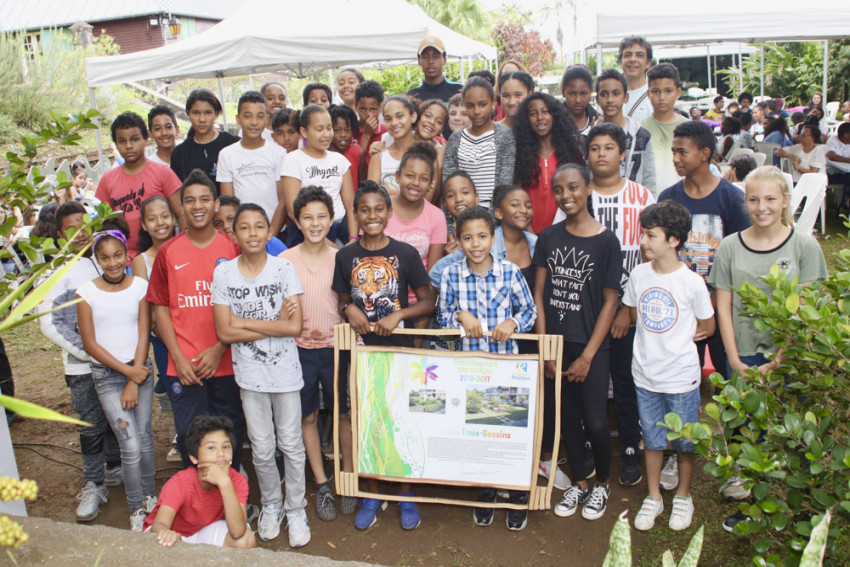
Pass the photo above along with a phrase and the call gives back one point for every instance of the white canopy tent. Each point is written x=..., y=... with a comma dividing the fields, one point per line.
x=723, y=21
x=272, y=36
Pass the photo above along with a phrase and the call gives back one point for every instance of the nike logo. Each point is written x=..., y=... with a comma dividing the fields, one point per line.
x=176, y=267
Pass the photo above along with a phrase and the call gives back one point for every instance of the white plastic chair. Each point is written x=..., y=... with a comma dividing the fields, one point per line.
x=812, y=187
x=832, y=110
x=738, y=152
x=760, y=159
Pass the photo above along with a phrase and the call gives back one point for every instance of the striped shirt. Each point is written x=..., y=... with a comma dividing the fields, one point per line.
x=476, y=155
x=319, y=303
x=497, y=296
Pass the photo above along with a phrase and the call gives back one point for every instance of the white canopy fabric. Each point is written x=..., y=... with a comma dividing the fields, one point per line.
x=270, y=35
x=724, y=20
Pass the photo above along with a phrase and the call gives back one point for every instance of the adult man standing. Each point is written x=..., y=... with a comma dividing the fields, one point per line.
x=432, y=57
x=635, y=57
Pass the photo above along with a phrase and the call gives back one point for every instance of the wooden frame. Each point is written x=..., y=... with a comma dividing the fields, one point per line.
x=550, y=349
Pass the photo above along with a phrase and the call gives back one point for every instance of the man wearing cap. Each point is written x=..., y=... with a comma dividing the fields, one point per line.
x=432, y=57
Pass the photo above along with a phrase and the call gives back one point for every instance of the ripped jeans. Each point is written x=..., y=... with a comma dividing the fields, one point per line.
x=132, y=429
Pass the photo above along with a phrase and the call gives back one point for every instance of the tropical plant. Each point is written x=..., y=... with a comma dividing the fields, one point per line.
x=467, y=17
x=620, y=548
x=787, y=433
x=794, y=71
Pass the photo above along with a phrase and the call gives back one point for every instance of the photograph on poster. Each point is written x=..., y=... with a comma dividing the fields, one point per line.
x=496, y=405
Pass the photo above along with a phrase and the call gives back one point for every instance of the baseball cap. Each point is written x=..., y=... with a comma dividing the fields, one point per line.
x=431, y=41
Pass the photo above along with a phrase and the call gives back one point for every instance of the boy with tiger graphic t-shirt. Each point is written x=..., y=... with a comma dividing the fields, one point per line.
x=371, y=276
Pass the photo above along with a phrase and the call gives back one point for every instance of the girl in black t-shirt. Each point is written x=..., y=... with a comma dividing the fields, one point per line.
x=576, y=289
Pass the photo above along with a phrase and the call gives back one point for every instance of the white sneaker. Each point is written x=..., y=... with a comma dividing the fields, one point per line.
x=268, y=526
x=735, y=489
x=682, y=514
x=649, y=510
x=573, y=498
x=562, y=481
x=149, y=503
x=113, y=476
x=670, y=473
x=91, y=497
x=299, y=528
x=137, y=520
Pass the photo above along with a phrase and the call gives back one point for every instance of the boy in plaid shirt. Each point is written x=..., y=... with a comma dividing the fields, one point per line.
x=481, y=293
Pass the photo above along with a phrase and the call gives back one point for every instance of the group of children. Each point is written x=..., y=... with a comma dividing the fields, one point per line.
x=545, y=221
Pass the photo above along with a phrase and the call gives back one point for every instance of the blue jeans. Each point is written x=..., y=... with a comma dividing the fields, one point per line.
x=97, y=443
x=215, y=396
x=653, y=406
x=133, y=430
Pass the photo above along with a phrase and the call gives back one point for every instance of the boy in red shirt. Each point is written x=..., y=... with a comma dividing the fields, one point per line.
x=205, y=503
x=125, y=188
x=200, y=377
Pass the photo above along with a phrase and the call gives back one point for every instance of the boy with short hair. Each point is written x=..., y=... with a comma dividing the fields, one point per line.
x=716, y=113
x=368, y=99
x=671, y=308
x=472, y=298
x=371, y=276
x=164, y=130
x=317, y=93
x=251, y=168
x=200, y=370
x=286, y=131
x=639, y=163
x=257, y=311
x=97, y=443
x=125, y=188
x=635, y=57
x=664, y=91
x=314, y=261
x=226, y=207
x=459, y=194
x=617, y=204
x=205, y=503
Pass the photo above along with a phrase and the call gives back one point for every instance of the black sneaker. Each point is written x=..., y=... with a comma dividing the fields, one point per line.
x=589, y=463
x=733, y=520
x=484, y=516
x=630, y=471
x=516, y=520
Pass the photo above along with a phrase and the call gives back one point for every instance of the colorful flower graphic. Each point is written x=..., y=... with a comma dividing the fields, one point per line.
x=422, y=374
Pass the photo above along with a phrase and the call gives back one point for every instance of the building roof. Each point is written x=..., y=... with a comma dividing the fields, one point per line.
x=38, y=14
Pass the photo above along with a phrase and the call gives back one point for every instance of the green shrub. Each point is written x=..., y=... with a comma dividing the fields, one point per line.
x=786, y=433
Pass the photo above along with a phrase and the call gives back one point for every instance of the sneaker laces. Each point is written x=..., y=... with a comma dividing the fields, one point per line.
x=88, y=493
x=268, y=517
x=572, y=496
x=671, y=466
x=597, y=497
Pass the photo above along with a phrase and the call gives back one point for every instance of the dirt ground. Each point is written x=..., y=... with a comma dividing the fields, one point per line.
x=48, y=453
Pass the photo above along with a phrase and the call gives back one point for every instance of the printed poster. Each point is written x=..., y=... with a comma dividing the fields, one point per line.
x=442, y=418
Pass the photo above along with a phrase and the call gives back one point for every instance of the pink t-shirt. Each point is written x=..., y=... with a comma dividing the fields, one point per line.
x=319, y=304
x=127, y=193
x=423, y=231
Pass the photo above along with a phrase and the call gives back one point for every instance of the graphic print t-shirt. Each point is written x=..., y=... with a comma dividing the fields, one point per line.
x=181, y=278
x=270, y=364
x=714, y=217
x=126, y=193
x=620, y=213
x=578, y=267
x=377, y=281
x=326, y=173
x=668, y=305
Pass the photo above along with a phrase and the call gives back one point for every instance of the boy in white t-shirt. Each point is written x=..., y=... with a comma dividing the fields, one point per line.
x=251, y=170
x=672, y=309
x=258, y=312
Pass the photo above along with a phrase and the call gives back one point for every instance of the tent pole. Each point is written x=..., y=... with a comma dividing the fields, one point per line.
x=93, y=102
x=598, y=59
x=221, y=94
x=740, y=68
x=824, y=98
x=250, y=82
x=761, y=70
x=708, y=64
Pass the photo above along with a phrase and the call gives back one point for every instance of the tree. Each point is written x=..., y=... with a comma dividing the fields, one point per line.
x=515, y=41
x=474, y=401
x=794, y=71
x=467, y=17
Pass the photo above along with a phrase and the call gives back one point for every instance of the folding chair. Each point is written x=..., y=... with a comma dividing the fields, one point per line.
x=812, y=188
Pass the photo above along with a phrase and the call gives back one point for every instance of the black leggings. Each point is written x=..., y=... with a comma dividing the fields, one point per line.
x=586, y=404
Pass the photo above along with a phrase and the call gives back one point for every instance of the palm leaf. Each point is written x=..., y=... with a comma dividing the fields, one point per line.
x=27, y=409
